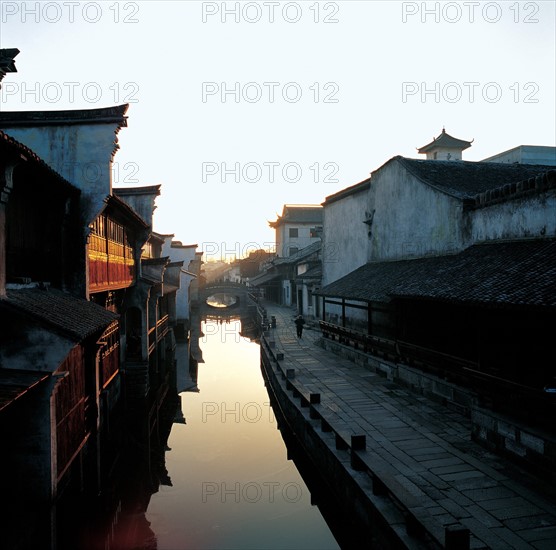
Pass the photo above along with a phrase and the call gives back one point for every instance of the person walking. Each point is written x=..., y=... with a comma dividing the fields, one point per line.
x=299, y=322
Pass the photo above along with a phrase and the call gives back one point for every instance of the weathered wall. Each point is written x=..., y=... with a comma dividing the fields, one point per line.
x=34, y=348
x=410, y=218
x=80, y=153
x=142, y=203
x=284, y=241
x=523, y=217
x=187, y=255
x=345, y=236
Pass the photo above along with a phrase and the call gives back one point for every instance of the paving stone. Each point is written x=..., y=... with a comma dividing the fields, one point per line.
x=452, y=469
x=484, y=534
x=483, y=516
x=438, y=462
x=530, y=522
x=513, y=540
x=538, y=534
x=499, y=503
x=461, y=476
x=428, y=445
x=543, y=544
x=453, y=508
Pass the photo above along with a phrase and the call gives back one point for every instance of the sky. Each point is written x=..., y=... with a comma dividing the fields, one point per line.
x=238, y=108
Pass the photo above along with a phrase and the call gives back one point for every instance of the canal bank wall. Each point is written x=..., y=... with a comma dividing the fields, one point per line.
x=374, y=509
x=404, y=465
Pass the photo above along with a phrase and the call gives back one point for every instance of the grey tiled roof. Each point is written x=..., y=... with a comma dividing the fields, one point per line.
x=263, y=278
x=465, y=180
x=73, y=316
x=102, y=115
x=300, y=254
x=348, y=191
x=513, y=273
x=313, y=273
x=445, y=140
x=299, y=214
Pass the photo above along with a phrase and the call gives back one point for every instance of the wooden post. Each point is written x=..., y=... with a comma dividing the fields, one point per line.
x=344, y=312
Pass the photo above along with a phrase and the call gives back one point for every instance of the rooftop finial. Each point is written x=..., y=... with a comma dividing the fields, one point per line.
x=7, y=63
x=444, y=147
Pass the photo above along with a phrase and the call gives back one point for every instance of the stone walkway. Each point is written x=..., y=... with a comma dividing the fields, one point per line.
x=420, y=449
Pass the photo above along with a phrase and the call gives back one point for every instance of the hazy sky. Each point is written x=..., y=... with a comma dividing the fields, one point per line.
x=239, y=107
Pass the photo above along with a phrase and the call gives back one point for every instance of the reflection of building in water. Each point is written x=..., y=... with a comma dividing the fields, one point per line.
x=249, y=327
x=88, y=381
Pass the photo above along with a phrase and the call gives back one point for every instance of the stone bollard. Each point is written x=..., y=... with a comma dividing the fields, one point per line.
x=456, y=537
x=357, y=462
x=379, y=488
x=358, y=442
x=279, y=357
x=341, y=445
x=290, y=374
x=325, y=426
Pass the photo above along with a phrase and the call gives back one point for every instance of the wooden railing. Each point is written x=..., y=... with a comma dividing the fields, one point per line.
x=152, y=339
x=158, y=332
x=494, y=391
x=359, y=340
x=162, y=326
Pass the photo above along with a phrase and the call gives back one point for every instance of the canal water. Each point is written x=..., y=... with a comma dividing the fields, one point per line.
x=231, y=484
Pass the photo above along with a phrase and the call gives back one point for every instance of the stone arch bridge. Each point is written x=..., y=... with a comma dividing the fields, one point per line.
x=238, y=290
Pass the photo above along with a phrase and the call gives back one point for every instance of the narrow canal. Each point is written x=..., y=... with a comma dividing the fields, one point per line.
x=232, y=485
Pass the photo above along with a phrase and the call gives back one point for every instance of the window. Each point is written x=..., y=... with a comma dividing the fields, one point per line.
x=293, y=250
x=315, y=232
x=294, y=232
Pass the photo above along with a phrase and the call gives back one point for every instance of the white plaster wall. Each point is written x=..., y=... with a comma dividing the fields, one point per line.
x=527, y=154
x=143, y=205
x=345, y=239
x=44, y=351
x=304, y=239
x=182, y=296
x=287, y=293
x=186, y=255
x=516, y=219
x=80, y=153
x=411, y=219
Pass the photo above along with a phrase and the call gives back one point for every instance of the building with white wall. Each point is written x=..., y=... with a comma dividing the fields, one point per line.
x=459, y=268
x=299, y=226
x=178, y=252
x=526, y=154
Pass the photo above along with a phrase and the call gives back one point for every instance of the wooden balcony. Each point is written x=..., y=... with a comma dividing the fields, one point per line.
x=111, y=265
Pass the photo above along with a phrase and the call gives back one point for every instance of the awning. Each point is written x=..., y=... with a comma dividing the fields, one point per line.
x=264, y=278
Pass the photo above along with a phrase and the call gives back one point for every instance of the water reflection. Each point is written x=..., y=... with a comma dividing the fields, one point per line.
x=200, y=466
x=222, y=300
x=115, y=519
x=232, y=483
